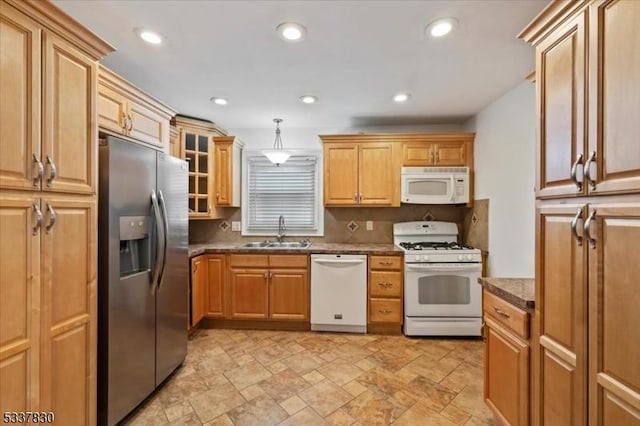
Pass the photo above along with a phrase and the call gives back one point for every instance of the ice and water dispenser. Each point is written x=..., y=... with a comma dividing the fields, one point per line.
x=135, y=245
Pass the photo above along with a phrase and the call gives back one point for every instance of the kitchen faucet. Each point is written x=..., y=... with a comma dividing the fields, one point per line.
x=281, y=229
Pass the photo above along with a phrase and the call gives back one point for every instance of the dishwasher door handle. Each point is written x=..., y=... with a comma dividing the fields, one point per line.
x=336, y=261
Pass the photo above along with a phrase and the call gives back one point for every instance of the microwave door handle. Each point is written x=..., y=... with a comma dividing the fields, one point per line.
x=431, y=268
x=453, y=188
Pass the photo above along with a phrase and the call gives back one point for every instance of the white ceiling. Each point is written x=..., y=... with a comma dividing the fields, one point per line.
x=356, y=55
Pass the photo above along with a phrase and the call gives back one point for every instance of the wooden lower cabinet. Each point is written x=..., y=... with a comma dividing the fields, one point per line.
x=506, y=356
x=289, y=294
x=198, y=289
x=385, y=293
x=216, y=285
x=249, y=291
x=506, y=379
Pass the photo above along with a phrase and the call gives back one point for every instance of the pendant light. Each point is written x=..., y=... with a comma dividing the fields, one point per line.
x=277, y=155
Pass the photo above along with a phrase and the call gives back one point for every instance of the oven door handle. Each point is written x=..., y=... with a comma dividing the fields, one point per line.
x=476, y=267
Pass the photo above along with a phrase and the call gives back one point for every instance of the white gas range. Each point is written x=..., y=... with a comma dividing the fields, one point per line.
x=441, y=292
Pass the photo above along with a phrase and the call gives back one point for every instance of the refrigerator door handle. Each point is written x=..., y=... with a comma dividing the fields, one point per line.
x=159, y=249
x=165, y=221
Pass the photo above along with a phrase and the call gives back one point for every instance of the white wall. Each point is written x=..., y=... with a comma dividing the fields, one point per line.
x=504, y=171
x=307, y=138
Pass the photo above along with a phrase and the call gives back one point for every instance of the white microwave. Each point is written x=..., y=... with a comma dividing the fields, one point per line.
x=435, y=185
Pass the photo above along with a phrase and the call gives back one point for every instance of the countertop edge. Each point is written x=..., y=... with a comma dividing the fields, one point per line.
x=319, y=249
x=517, y=291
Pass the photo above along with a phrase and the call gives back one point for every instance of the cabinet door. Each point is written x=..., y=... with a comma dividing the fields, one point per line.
x=506, y=375
x=614, y=95
x=148, y=126
x=376, y=174
x=249, y=293
x=614, y=343
x=560, y=71
x=216, y=285
x=198, y=151
x=112, y=110
x=340, y=174
x=20, y=100
x=19, y=302
x=199, y=277
x=223, y=169
x=450, y=154
x=418, y=154
x=68, y=369
x=69, y=132
x=561, y=312
x=289, y=294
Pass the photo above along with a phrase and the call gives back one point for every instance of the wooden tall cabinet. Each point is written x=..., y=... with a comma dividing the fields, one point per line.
x=586, y=367
x=48, y=173
x=227, y=169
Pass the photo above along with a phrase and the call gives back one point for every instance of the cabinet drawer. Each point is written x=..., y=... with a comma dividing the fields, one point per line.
x=506, y=314
x=385, y=310
x=385, y=284
x=249, y=260
x=288, y=261
x=385, y=262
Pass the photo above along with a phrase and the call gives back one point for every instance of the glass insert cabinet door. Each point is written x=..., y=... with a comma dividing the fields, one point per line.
x=198, y=149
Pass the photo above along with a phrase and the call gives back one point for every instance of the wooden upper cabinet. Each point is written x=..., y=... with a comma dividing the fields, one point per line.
x=614, y=346
x=561, y=77
x=360, y=174
x=422, y=154
x=561, y=309
x=340, y=174
x=126, y=111
x=20, y=49
x=19, y=302
x=69, y=148
x=227, y=168
x=614, y=96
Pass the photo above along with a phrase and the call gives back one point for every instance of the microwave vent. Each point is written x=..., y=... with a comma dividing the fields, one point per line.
x=435, y=170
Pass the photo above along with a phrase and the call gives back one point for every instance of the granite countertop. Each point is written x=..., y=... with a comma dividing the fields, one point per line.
x=314, y=248
x=519, y=292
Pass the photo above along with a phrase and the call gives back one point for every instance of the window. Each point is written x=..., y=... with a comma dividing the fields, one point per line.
x=291, y=190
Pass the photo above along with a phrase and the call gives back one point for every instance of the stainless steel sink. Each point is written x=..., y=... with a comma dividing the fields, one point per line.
x=276, y=244
x=255, y=244
x=289, y=244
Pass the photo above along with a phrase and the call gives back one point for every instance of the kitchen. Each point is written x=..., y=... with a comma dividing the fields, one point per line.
x=550, y=166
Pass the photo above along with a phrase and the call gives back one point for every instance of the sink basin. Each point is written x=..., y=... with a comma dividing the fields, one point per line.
x=276, y=244
x=290, y=244
x=255, y=244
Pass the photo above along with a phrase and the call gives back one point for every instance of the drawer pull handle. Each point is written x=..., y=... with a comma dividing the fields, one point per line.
x=386, y=284
x=501, y=312
x=386, y=263
x=384, y=311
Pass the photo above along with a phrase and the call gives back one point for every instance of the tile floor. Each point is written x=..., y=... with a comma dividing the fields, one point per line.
x=262, y=378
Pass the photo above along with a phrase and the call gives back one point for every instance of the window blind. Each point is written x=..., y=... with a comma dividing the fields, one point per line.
x=288, y=190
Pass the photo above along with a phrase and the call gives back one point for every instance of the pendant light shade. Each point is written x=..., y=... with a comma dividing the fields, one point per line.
x=277, y=155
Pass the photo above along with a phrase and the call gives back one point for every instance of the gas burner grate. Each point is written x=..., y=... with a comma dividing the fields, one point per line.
x=434, y=246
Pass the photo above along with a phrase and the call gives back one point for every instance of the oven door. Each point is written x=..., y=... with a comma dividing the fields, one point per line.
x=442, y=290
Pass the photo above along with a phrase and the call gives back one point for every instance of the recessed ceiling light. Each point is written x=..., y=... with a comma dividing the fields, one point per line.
x=290, y=31
x=308, y=99
x=441, y=27
x=401, y=97
x=149, y=36
x=219, y=101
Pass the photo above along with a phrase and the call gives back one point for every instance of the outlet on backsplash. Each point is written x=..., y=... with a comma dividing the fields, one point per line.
x=369, y=225
x=236, y=225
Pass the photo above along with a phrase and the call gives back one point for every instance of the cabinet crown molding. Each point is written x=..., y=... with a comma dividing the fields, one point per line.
x=198, y=124
x=552, y=16
x=400, y=137
x=55, y=20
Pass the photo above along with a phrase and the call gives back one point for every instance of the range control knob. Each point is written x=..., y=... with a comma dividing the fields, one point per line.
x=469, y=257
x=460, y=257
x=425, y=257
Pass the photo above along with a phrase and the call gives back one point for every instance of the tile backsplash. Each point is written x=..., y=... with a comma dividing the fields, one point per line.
x=348, y=224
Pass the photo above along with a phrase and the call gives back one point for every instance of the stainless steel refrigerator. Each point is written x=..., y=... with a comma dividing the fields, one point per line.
x=142, y=273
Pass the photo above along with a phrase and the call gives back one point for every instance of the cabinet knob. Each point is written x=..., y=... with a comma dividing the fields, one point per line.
x=587, y=170
x=574, y=172
x=587, y=229
x=501, y=312
x=384, y=311
x=52, y=218
x=53, y=171
x=39, y=170
x=38, y=212
x=130, y=123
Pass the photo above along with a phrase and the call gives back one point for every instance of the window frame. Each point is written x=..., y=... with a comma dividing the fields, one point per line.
x=318, y=232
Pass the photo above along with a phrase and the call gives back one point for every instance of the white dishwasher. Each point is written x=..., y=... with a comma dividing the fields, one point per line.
x=339, y=293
